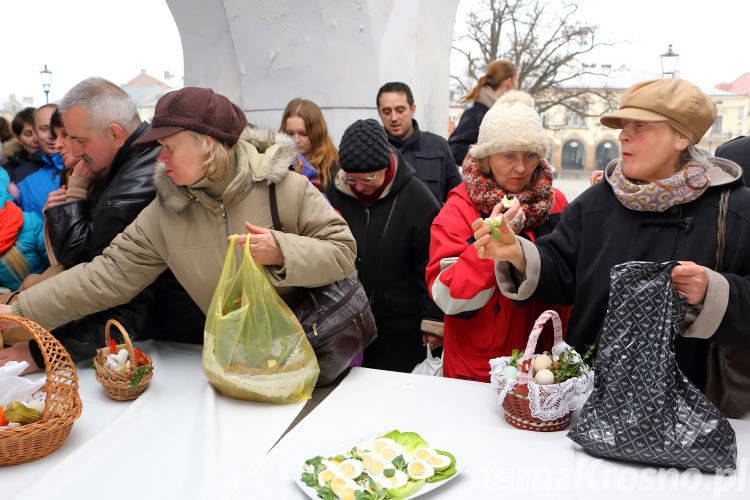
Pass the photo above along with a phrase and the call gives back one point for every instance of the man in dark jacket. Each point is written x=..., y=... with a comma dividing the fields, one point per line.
x=389, y=211
x=738, y=150
x=426, y=152
x=107, y=190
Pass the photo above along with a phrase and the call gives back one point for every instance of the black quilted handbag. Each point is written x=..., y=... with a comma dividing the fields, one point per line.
x=643, y=409
x=336, y=318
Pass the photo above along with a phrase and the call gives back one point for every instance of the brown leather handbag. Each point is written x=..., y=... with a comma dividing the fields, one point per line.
x=337, y=318
x=728, y=370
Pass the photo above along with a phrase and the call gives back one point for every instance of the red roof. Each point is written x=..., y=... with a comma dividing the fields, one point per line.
x=740, y=86
x=145, y=80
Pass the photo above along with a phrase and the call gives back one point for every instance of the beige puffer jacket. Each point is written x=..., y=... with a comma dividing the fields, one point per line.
x=186, y=230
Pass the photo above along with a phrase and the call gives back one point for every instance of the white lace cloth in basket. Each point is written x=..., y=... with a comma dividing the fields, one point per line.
x=546, y=402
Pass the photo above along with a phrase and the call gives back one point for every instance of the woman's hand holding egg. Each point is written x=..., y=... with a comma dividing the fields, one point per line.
x=506, y=247
x=512, y=213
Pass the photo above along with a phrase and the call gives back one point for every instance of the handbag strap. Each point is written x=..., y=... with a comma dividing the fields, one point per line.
x=721, y=230
x=274, y=207
x=277, y=226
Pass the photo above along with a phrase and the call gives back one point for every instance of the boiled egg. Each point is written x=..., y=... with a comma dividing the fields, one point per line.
x=391, y=452
x=346, y=490
x=368, y=457
x=351, y=468
x=398, y=479
x=381, y=443
x=439, y=462
x=424, y=453
x=339, y=482
x=325, y=476
x=378, y=465
x=420, y=470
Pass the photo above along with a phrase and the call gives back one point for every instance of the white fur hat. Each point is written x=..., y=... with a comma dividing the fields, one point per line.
x=512, y=124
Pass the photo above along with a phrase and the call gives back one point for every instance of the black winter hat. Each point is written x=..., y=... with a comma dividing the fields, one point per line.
x=364, y=148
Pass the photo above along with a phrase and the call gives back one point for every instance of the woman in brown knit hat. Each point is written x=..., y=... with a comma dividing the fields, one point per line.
x=212, y=180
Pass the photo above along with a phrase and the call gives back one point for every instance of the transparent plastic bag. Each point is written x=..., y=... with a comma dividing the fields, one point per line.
x=254, y=347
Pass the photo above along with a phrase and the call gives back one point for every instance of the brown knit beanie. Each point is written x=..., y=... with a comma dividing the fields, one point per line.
x=197, y=109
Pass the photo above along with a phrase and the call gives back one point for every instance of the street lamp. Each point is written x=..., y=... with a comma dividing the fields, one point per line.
x=669, y=63
x=46, y=79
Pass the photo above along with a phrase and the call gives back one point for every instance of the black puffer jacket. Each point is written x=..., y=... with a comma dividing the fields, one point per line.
x=467, y=131
x=431, y=158
x=738, y=150
x=393, y=240
x=80, y=230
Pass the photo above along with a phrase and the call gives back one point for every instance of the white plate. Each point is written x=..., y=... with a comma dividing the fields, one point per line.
x=298, y=467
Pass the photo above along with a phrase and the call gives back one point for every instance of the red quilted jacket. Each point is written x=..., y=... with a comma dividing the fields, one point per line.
x=480, y=323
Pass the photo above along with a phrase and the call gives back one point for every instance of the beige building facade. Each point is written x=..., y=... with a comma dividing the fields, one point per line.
x=580, y=143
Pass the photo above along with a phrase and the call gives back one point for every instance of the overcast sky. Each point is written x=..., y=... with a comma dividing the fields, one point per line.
x=115, y=40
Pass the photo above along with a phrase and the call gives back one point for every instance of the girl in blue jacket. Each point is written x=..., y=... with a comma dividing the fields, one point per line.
x=22, y=249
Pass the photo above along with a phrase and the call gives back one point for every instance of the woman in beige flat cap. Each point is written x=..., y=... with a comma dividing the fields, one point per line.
x=659, y=202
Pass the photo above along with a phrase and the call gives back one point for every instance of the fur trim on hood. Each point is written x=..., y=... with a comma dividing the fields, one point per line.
x=261, y=155
x=11, y=147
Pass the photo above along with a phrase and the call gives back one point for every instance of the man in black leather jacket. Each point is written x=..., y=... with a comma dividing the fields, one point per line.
x=106, y=191
x=428, y=153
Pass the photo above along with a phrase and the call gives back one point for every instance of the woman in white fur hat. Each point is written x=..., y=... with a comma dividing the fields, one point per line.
x=508, y=162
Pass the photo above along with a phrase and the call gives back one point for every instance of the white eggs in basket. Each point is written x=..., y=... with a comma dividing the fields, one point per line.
x=544, y=377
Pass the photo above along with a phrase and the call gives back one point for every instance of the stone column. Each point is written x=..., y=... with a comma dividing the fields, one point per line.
x=337, y=53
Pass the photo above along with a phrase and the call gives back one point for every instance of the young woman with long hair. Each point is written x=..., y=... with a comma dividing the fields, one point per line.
x=304, y=122
x=501, y=76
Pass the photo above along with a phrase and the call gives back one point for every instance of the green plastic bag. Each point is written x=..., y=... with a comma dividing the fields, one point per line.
x=254, y=348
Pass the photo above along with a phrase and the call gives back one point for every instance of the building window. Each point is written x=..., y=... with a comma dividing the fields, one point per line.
x=717, y=125
x=741, y=113
x=574, y=119
x=573, y=154
x=606, y=151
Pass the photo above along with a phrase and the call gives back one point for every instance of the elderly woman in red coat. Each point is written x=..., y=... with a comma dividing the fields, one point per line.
x=508, y=163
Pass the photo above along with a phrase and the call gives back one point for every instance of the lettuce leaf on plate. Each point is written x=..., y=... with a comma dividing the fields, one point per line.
x=409, y=440
x=406, y=490
x=444, y=474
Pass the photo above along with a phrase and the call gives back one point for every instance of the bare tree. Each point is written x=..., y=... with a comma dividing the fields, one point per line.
x=544, y=39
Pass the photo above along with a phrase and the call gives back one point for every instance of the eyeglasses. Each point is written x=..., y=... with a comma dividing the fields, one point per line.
x=363, y=180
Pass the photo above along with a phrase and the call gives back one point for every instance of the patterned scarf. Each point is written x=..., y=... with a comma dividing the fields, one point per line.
x=684, y=186
x=537, y=199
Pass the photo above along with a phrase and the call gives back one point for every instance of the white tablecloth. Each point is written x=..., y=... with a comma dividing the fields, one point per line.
x=180, y=439
x=464, y=418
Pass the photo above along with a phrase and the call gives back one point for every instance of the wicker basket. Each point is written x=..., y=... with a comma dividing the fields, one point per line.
x=518, y=414
x=516, y=402
x=117, y=382
x=62, y=405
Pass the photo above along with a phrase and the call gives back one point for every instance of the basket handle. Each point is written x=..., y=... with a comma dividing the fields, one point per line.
x=125, y=336
x=523, y=375
x=61, y=376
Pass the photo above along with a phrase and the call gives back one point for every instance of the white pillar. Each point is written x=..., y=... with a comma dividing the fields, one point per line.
x=337, y=53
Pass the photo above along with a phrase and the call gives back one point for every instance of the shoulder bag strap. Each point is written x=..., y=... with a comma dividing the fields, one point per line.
x=274, y=207
x=721, y=231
